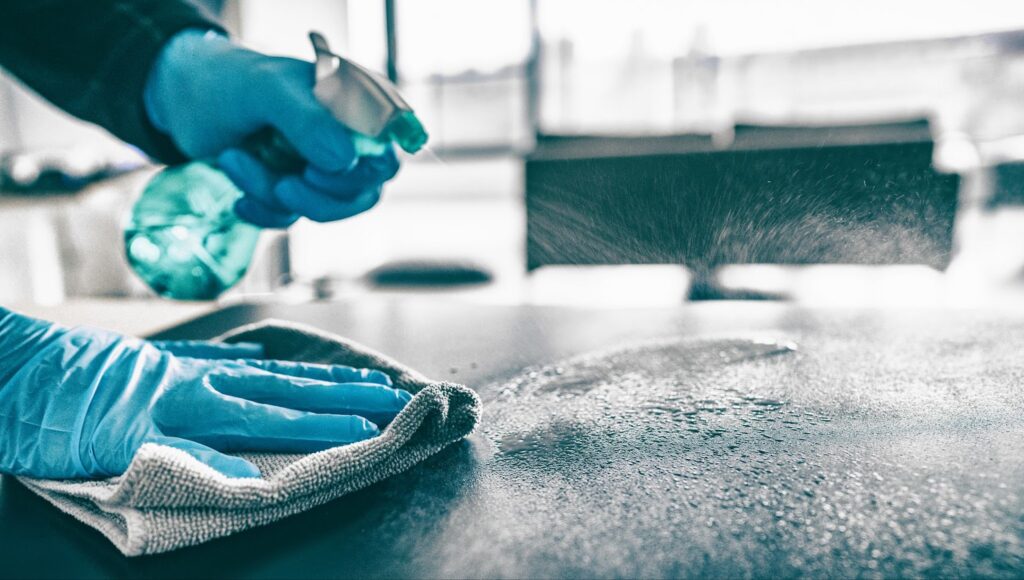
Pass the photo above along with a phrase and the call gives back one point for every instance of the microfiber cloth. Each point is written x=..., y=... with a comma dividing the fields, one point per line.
x=168, y=500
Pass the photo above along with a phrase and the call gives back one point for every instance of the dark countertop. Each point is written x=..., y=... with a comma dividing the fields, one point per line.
x=889, y=443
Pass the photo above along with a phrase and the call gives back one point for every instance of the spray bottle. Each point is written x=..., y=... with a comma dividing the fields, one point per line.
x=183, y=238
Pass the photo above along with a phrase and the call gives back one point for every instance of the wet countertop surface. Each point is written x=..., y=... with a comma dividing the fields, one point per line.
x=729, y=439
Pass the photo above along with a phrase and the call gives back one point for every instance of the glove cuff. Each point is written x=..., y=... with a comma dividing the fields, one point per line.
x=185, y=50
x=153, y=24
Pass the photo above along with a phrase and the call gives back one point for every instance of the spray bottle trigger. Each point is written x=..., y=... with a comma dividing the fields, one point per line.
x=274, y=150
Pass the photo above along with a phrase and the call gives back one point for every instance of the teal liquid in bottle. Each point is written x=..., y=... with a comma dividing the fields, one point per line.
x=183, y=237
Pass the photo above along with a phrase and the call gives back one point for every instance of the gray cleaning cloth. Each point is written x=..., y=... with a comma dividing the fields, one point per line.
x=167, y=500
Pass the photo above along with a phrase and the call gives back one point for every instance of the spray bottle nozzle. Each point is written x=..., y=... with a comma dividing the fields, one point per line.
x=363, y=100
x=407, y=131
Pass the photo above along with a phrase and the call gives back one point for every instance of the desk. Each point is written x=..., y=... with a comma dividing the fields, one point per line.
x=911, y=460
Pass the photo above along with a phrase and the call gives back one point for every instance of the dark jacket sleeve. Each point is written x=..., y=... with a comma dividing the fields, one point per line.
x=92, y=58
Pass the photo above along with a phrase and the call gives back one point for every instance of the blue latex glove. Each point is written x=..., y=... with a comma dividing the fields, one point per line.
x=208, y=94
x=79, y=402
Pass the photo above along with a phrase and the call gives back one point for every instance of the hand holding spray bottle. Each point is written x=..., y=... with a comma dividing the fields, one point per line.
x=184, y=238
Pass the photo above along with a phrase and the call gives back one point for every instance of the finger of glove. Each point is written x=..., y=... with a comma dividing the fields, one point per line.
x=329, y=373
x=321, y=206
x=370, y=171
x=210, y=350
x=290, y=106
x=378, y=403
x=243, y=425
x=258, y=206
x=226, y=464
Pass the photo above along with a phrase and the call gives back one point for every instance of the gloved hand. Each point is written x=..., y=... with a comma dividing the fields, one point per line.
x=79, y=402
x=208, y=94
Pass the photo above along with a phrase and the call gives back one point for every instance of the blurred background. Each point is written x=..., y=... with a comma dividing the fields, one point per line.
x=615, y=153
